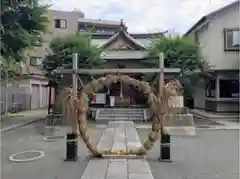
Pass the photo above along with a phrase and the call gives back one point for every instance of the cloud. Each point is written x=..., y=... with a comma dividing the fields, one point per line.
x=145, y=15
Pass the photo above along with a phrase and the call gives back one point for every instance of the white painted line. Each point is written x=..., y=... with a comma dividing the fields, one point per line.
x=41, y=154
x=52, y=139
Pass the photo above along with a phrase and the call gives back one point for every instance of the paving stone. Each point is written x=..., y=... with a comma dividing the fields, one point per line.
x=117, y=169
x=132, y=137
x=120, y=138
x=117, y=160
x=92, y=176
x=121, y=135
x=140, y=176
x=95, y=169
x=106, y=141
x=138, y=166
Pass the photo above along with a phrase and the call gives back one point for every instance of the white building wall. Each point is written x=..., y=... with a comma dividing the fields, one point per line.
x=199, y=98
x=39, y=95
x=213, y=41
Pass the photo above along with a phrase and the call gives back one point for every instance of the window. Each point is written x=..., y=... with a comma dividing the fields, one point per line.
x=36, y=61
x=60, y=23
x=229, y=88
x=81, y=27
x=210, y=88
x=232, y=39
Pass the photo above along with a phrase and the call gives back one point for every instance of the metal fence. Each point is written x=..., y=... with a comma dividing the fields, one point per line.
x=18, y=99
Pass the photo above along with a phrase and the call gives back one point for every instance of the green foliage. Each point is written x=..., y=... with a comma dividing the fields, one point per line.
x=22, y=27
x=62, y=49
x=179, y=52
x=6, y=4
x=8, y=69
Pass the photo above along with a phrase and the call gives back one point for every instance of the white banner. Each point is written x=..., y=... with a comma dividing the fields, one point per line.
x=112, y=101
x=100, y=98
x=176, y=101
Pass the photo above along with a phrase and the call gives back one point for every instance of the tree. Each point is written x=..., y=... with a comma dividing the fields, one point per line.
x=62, y=49
x=22, y=25
x=179, y=52
x=8, y=69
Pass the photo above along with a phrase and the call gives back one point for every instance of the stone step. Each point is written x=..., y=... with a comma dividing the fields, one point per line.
x=121, y=119
x=121, y=112
x=117, y=117
x=120, y=115
x=123, y=109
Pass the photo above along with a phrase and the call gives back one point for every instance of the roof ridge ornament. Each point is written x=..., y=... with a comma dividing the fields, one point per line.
x=122, y=26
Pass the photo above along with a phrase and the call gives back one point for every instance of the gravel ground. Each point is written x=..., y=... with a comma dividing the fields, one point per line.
x=208, y=155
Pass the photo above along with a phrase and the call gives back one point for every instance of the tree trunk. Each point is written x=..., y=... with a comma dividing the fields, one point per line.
x=6, y=95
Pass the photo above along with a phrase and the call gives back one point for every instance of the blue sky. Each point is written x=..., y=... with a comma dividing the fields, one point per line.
x=145, y=15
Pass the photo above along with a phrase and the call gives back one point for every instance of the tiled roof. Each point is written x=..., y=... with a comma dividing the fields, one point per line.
x=107, y=35
x=99, y=21
x=144, y=41
x=212, y=14
x=124, y=34
x=123, y=54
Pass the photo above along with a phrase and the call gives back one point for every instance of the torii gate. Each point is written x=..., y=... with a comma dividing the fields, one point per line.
x=161, y=70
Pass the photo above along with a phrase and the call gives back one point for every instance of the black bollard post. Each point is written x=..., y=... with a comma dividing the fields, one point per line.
x=71, y=147
x=165, y=144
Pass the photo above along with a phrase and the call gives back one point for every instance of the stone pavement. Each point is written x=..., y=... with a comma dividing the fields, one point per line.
x=117, y=169
x=22, y=118
x=118, y=136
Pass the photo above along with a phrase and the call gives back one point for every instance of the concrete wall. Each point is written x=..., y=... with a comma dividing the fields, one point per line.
x=199, y=98
x=72, y=23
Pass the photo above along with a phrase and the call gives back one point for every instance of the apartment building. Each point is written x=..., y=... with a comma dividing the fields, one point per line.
x=62, y=23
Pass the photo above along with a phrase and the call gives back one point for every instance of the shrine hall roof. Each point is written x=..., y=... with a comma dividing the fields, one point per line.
x=143, y=39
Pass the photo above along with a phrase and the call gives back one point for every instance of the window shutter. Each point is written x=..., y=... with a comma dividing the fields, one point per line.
x=229, y=38
x=63, y=23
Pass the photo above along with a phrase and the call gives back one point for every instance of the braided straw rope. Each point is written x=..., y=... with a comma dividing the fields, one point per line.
x=72, y=105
